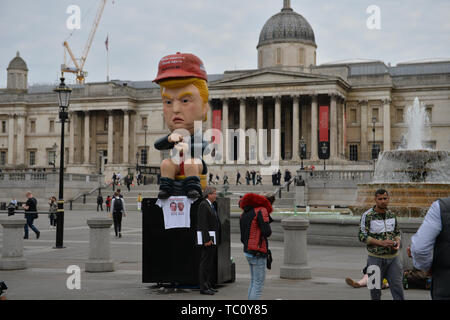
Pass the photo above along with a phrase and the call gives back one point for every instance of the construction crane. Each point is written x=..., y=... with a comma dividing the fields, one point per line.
x=79, y=63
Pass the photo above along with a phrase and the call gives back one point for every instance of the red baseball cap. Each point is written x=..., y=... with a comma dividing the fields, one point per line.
x=180, y=65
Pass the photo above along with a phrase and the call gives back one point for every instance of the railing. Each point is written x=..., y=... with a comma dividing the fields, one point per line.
x=46, y=176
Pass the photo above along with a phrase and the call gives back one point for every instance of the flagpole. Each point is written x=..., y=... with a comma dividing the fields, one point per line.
x=107, y=59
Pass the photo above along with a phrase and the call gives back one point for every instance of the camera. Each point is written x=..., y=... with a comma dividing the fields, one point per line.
x=2, y=287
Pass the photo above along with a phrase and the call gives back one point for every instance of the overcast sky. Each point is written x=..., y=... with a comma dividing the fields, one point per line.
x=223, y=33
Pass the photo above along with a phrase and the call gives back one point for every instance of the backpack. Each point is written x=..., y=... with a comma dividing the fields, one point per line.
x=118, y=205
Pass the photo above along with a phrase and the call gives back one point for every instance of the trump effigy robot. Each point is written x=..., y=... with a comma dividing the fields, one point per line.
x=184, y=91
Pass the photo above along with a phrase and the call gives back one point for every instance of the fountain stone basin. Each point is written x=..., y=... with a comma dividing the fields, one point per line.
x=406, y=199
x=413, y=178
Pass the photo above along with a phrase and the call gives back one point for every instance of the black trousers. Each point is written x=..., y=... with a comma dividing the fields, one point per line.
x=117, y=218
x=206, y=271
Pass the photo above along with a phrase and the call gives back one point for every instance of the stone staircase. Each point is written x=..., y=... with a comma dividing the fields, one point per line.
x=151, y=191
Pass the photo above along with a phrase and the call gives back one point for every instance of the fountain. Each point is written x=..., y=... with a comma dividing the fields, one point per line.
x=413, y=175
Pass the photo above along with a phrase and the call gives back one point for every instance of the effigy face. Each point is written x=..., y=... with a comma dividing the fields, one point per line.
x=182, y=106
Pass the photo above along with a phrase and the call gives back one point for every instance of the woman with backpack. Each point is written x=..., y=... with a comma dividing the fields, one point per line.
x=255, y=229
x=118, y=210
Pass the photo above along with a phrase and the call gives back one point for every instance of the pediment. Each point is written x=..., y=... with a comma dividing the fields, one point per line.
x=270, y=77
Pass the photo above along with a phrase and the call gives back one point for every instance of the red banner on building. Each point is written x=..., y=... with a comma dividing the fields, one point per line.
x=217, y=124
x=324, y=116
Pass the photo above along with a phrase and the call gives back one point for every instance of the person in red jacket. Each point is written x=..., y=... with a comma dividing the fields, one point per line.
x=255, y=229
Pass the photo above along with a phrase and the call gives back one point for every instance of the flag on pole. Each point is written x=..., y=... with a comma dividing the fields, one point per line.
x=106, y=42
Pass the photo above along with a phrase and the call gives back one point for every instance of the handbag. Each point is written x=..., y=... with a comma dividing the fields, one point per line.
x=269, y=259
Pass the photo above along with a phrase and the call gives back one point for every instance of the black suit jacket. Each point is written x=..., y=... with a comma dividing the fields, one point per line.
x=207, y=221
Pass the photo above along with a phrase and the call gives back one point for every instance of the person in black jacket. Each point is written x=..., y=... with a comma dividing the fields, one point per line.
x=208, y=220
x=30, y=214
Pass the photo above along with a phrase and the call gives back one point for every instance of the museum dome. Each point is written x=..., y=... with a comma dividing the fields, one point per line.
x=287, y=26
x=17, y=63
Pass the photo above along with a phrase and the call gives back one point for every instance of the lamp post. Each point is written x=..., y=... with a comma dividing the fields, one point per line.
x=324, y=152
x=302, y=152
x=145, y=143
x=137, y=162
x=63, y=99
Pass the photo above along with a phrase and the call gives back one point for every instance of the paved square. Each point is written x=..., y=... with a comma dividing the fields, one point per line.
x=46, y=275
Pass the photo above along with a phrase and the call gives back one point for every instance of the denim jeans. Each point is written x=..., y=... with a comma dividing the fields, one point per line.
x=30, y=224
x=392, y=270
x=258, y=275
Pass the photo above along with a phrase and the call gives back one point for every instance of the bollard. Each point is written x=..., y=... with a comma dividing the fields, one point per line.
x=99, y=245
x=12, y=251
x=295, y=264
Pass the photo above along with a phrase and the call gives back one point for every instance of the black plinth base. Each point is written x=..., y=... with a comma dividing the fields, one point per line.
x=172, y=256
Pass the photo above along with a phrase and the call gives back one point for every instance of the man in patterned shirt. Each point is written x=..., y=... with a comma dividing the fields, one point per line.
x=379, y=230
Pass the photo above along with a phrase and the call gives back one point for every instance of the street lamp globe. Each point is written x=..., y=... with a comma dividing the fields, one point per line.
x=63, y=95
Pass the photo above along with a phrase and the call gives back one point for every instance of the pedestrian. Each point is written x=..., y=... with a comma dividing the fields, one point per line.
x=119, y=177
x=211, y=176
x=208, y=221
x=108, y=203
x=120, y=193
x=217, y=179
x=99, y=201
x=430, y=248
x=258, y=178
x=253, y=174
x=128, y=182
x=287, y=178
x=380, y=231
x=255, y=229
x=118, y=207
x=238, y=177
x=225, y=179
x=279, y=178
x=247, y=177
x=139, y=202
x=52, y=211
x=31, y=213
x=14, y=203
x=114, y=177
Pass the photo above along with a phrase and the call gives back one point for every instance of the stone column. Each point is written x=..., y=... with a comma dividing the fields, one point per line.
x=12, y=250
x=11, y=139
x=387, y=124
x=20, y=150
x=333, y=127
x=87, y=137
x=242, y=125
x=295, y=264
x=71, y=136
x=295, y=129
x=314, y=128
x=259, y=124
x=278, y=126
x=209, y=118
x=224, y=129
x=99, y=245
x=126, y=133
x=364, y=139
x=110, y=137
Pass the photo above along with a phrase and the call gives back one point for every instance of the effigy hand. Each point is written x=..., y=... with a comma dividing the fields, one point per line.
x=175, y=138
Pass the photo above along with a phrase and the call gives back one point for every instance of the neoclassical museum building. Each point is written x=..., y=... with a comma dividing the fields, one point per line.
x=345, y=112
